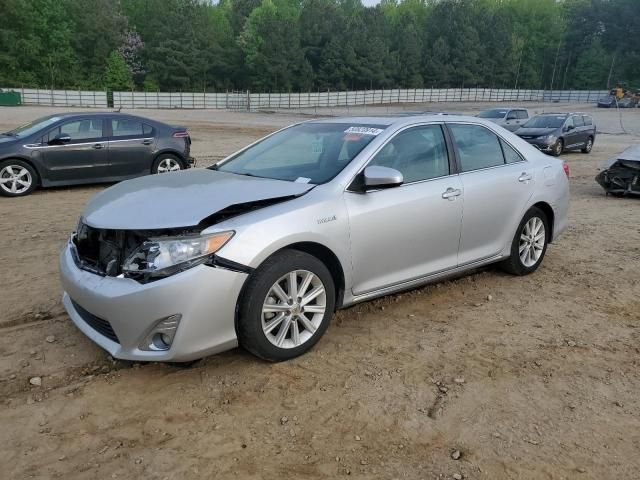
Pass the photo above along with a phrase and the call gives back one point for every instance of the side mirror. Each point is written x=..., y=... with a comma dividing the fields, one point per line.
x=381, y=177
x=568, y=128
x=60, y=139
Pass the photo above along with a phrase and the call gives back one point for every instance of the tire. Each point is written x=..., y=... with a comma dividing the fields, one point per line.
x=557, y=148
x=587, y=148
x=289, y=335
x=166, y=163
x=17, y=178
x=515, y=264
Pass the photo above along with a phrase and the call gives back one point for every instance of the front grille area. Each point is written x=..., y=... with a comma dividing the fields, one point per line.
x=98, y=324
x=104, y=251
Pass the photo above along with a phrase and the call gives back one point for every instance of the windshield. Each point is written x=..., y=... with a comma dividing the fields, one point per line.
x=493, y=113
x=546, y=121
x=308, y=153
x=29, y=128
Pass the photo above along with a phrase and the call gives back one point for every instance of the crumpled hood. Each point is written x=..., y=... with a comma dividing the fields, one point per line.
x=630, y=157
x=534, y=132
x=181, y=199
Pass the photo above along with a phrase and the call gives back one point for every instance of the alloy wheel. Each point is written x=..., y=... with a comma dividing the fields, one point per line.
x=589, y=145
x=168, y=165
x=15, y=179
x=293, y=309
x=532, y=241
x=557, y=148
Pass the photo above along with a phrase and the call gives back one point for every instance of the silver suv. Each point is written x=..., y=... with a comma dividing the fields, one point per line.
x=315, y=217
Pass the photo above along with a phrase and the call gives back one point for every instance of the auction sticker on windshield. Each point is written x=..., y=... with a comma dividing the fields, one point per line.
x=364, y=130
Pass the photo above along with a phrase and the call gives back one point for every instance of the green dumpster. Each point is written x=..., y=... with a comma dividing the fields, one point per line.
x=10, y=99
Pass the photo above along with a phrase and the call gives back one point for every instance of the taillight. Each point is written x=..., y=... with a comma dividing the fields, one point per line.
x=181, y=134
x=565, y=166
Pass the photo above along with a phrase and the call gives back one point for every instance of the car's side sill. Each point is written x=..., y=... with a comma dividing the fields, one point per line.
x=398, y=287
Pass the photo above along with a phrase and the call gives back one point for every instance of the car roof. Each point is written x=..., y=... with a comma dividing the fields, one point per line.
x=399, y=120
x=93, y=114
x=558, y=114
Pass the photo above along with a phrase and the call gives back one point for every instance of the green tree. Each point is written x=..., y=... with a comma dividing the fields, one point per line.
x=117, y=75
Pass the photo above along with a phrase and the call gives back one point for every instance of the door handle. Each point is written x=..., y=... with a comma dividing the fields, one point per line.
x=98, y=146
x=451, y=193
x=524, y=177
x=146, y=142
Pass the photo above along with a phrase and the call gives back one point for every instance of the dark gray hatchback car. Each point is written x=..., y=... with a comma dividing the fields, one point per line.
x=554, y=133
x=76, y=148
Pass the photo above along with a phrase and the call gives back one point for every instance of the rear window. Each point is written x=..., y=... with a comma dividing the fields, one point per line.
x=510, y=155
x=126, y=127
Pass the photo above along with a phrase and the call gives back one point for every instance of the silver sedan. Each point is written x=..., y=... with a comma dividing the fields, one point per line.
x=262, y=248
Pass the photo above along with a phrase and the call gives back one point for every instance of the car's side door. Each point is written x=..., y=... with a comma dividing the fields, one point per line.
x=581, y=131
x=497, y=184
x=570, y=133
x=513, y=121
x=407, y=232
x=76, y=150
x=131, y=146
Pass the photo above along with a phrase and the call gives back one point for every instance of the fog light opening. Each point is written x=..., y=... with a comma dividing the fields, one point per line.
x=162, y=334
x=161, y=341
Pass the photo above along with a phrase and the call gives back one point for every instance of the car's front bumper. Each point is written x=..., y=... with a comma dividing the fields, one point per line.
x=542, y=145
x=205, y=296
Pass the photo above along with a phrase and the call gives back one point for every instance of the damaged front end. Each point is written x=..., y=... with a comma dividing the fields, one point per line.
x=147, y=255
x=621, y=176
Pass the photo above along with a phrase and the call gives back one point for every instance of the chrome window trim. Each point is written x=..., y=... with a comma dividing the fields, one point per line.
x=111, y=140
x=37, y=146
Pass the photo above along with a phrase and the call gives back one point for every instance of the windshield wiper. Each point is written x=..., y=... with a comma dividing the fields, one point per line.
x=10, y=134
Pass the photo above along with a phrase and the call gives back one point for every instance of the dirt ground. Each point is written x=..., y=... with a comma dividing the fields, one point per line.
x=525, y=378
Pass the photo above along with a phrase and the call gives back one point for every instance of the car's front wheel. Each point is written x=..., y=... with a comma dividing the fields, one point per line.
x=167, y=163
x=286, y=306
x=588, y=146
x=17, y=178
x=556, y=149
x=529, y=243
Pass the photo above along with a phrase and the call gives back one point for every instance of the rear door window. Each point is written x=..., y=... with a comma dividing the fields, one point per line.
x=127, y=128
x=587, y=120
x=477, y=147
x=522, y=114
x=578, y=121
x=510, y=154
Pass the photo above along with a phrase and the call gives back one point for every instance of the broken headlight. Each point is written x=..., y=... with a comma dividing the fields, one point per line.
x=163, y=256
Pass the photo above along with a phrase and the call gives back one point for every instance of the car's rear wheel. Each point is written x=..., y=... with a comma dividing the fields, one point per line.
x=286, y=306
x=167, y=163
x=588, y=146
x=557, y=148
x=529, y=243
x=17, y=178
